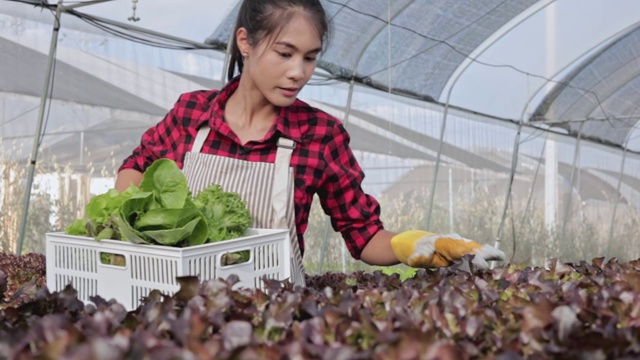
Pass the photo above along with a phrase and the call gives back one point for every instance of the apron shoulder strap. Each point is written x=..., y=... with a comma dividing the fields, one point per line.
x=283, y=142
x=203, y=132
x=282, y=182
x=282, y=189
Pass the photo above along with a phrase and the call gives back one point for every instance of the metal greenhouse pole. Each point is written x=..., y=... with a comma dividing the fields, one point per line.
x=352, y=83
x=619, y=197
x=609, y=39
x=451, y=84
x=227, y=59
x=589, y=52
x=36, y=137
x=551, y=148
x=43, y=104
x=572, y=181
x=60, y=8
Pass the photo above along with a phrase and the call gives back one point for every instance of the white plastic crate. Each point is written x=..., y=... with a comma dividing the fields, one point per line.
x=76, y=260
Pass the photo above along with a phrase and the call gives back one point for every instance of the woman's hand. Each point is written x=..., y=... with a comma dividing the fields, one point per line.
x=127, y=177
x=423, y=249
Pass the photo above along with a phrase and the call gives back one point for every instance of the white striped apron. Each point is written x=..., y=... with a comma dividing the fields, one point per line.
x=266, y=188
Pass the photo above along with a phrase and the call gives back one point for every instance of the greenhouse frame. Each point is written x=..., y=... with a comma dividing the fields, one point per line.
x=513, y=123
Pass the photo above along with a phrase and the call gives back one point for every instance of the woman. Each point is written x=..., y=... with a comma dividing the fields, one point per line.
x=256, y=138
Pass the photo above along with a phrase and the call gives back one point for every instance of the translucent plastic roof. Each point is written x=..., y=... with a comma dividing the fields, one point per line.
x=430, y=42
x=428, y=39
x=599, y=98
x=98, y=101
x=20, y=62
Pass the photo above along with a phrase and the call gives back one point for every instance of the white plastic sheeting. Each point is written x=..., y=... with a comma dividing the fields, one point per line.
x=488, y=172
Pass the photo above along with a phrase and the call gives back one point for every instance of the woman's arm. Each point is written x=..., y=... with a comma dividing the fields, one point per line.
x=354, y=213
x=166, y=139
x=378, y=250
x=126, y=177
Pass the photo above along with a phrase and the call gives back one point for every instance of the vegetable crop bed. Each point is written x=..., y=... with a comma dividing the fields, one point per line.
x=587, y=310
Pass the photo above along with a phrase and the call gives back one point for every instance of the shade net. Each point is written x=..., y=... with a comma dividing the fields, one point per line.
x=598, y=99
x=417, y=54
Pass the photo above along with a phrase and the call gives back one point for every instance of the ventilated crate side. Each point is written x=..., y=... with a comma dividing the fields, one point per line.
x=76, y=260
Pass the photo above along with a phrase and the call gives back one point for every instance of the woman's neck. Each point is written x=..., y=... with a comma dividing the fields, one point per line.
x=248, y=113
x=247, y=107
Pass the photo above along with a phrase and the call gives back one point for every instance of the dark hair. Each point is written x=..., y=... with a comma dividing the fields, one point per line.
x=262, y=18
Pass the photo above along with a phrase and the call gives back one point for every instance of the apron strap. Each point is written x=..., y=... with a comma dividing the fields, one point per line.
x=282, y=189
x=281, y=183
x=281, y=195
x=203, y=132
x=282, y=178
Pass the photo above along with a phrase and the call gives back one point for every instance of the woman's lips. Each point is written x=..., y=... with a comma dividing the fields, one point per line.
x=289, y=92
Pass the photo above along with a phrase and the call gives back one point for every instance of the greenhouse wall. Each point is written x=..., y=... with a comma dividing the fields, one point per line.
x=483, y=177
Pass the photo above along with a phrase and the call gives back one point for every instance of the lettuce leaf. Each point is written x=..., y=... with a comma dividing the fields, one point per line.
x=101, y=213
x=226, y=214
x=168, y=184
x=163, y=212
x=177, y=234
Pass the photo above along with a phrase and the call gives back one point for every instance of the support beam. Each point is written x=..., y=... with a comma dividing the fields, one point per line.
x=44, y=100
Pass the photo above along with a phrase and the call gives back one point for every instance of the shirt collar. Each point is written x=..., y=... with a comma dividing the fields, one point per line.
x=289, y=122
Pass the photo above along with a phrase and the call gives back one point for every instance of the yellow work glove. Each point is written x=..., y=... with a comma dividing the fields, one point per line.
x=422, y=249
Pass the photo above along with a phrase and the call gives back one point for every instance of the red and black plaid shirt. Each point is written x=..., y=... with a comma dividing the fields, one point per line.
x=322, y=159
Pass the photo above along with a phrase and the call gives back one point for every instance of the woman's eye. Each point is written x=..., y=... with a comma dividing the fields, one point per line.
x=310, y=59
x=284, y=55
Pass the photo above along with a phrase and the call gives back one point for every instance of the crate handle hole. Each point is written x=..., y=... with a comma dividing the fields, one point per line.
x=235, y=257
x=112, y=259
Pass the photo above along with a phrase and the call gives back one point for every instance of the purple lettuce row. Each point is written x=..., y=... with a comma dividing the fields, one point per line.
x=581, y=310
x=25, y=272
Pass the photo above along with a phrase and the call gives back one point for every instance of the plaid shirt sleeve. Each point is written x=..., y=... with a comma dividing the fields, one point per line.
x=173, y=136
x=355, y=214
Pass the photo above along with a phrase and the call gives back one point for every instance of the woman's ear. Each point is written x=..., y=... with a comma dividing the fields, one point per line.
x=242, y=39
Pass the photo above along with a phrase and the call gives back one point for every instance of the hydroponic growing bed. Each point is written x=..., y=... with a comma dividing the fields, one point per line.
x=582, y=310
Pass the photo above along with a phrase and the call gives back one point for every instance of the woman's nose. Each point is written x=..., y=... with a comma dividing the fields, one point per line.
x=297, y=70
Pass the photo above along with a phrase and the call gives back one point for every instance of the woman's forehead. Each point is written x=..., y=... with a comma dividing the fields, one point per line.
x=300, y=32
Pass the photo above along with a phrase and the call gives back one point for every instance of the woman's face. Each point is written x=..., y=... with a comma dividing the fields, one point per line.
x=280, y=67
